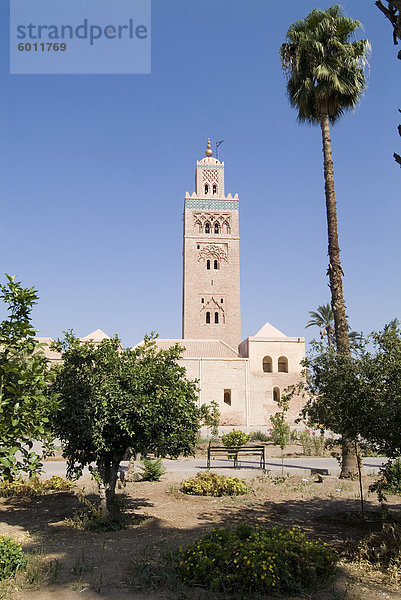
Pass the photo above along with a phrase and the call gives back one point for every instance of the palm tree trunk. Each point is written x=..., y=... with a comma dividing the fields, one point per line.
x=349, y=466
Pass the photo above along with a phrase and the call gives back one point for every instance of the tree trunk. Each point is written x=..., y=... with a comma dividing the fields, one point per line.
x=108, y=471
x=349, y=465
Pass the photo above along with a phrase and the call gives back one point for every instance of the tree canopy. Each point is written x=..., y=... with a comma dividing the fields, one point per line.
x=112, y=400
x=25, y=407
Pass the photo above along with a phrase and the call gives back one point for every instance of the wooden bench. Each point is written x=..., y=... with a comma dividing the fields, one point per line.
x=233, y=452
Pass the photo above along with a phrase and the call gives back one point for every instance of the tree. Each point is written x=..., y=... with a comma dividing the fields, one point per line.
x=359, y=396
x=325, y=77
x=25, y=407
x=323, y=318
x=113, y=399
x=381, y=404
x=393, y=14
x=281, y=429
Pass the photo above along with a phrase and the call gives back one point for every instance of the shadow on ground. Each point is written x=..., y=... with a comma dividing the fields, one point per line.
x=85, y=562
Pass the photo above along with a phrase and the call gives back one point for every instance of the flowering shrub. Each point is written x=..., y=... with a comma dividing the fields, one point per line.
x=210, y=484
x=313, y=444
x=236, y=437
x=12, y=557
x=33, y=487
x=250, y=559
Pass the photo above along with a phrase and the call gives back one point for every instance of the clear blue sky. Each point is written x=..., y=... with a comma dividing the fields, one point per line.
x=93, y=172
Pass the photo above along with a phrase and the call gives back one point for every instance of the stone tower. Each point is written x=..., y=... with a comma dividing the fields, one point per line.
x=211, y=284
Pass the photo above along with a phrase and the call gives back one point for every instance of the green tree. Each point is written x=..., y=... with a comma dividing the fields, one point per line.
x=323, y=318
x=25, y=407
x=281, y=429
x=113, y=399
x=210, y=415
x=381, y=402
x=325, y=77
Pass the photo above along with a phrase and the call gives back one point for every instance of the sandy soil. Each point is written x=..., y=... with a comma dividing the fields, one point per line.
x=73, y=564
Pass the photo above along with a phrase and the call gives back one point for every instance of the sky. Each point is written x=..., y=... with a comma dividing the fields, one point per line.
x=94, y=169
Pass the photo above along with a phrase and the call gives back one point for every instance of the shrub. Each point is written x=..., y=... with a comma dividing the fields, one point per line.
x=34, y=487
x=210, y=484
x=12, y=557
x=90, y=518
x=259, y=436
x=313, y=444
x=389, y=481
x=152, y=470
x=236, y=437
x=382, y=550
x=250, y=559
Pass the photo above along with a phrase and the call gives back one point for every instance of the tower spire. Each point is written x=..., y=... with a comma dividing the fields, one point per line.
x=209, y=150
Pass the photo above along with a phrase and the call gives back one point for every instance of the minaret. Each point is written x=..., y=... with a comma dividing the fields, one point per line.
x=211, y=285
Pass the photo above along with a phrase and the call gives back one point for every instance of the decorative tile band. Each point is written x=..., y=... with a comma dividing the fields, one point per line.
x=211, y=204
x=208, y=166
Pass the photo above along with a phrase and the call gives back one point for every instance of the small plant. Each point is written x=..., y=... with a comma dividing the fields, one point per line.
x=34, y=487
x=382, y=550
x=210, y=415
x=259, y=436
x=210, y=484
x=152, y=470
x=252, y=560
x=389, y=481
x=313, y=444
x=91, y=518
x=12, y=557
x=235, y=438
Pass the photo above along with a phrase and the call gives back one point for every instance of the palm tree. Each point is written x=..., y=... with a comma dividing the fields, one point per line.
x=325, y=77
x=323, y=317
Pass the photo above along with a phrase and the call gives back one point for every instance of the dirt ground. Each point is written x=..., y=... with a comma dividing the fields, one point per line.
x=72, y=564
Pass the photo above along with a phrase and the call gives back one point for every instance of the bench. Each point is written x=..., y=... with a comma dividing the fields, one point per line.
x=233, y=452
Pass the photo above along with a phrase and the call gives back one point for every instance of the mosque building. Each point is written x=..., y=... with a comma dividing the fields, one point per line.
x=246, y=378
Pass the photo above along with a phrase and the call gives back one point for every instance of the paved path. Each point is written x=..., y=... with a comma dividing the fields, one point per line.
x=248, y=468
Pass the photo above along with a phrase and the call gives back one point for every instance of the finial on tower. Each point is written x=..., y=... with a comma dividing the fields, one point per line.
x=209, y=150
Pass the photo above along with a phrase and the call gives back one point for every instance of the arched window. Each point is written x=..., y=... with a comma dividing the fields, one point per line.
x=282, y=365
x=203, y=300
x=214, y=188
x=227, y=397
x=207, y=227
x=216, y=318
x=267, y=364
x=216, y=228
x=208, y=264
x=226, y=227
x=216, y=264
x=208, y=317
x=276, y=394
x=198, y=226
x=206, y=188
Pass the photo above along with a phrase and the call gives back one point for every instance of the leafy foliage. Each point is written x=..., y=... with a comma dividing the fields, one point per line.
x=389, y=481
x=312, y=443
x=12, y=558
x=210, y=484
x=259, y=436
x=25, y=406
x=210, y=415
x=250, y=559
x=325, y=69
x=113, y=399
x=235, y=438
x=34, y=487
x=152, y=470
